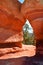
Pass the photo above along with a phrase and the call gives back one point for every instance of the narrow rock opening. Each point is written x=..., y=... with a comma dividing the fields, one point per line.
x=28, y=33
x=21, y=1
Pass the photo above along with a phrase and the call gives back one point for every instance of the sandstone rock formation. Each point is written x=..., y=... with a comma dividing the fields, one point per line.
x=13, y=15
x=33, y=11
x=11, y=21
x=10, y=15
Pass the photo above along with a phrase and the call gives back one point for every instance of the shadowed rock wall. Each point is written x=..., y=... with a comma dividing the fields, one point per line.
x=33, y=11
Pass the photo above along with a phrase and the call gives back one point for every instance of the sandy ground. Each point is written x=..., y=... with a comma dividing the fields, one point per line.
x=26, y=50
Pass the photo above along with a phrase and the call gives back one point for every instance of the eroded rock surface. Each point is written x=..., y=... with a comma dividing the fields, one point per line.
x=33, y=11
x=13, y=15
x=16, y=52
x=10, y=15
x=11, y=22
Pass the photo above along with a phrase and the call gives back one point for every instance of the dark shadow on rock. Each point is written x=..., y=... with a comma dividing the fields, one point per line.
x=36, y=60
x=13, y=61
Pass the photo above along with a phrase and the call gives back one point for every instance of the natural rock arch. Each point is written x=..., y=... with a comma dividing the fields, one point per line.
x=13, y=16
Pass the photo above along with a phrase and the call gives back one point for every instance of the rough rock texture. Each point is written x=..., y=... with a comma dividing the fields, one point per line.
x=11, y=22
x=33, y=11
x=10, y=15
x=16, y=55
x=13, y=15
x=9, y=38
x=16, y=52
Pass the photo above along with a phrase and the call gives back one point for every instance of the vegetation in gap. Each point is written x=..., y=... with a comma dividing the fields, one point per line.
x=28, y=37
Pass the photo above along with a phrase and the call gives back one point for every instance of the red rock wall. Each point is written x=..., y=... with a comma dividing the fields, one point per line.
x=10, y=15
x=11, y=20
x=13, y=16
x=33, y=11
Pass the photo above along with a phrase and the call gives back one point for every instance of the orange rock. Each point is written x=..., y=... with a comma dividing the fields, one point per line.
x=7, y=53
x=33, y=11
x=13, y=15
x=11, y=21
x=10, y=15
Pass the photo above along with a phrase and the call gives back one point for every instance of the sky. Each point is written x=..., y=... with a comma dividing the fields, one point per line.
x=21, y=1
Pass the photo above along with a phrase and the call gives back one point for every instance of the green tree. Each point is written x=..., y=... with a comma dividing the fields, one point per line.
x=28, y=38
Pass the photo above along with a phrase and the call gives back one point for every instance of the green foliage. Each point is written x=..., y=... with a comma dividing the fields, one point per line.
x=28, y=37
